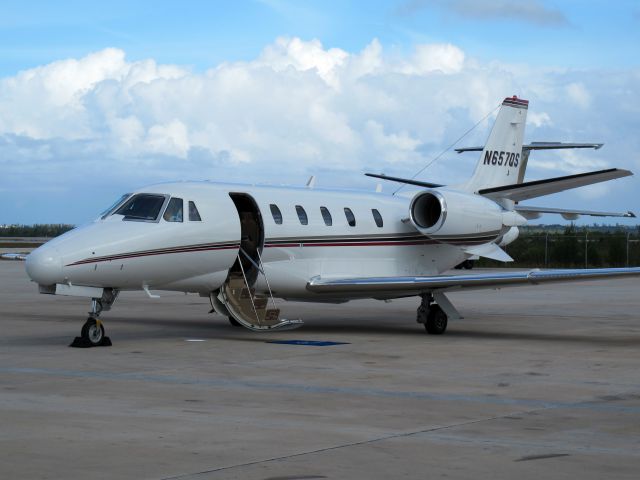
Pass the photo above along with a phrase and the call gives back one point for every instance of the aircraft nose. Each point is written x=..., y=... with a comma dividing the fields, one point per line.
x=44, y=266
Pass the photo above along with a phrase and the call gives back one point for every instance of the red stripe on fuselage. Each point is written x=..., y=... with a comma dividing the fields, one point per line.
x=210, y=247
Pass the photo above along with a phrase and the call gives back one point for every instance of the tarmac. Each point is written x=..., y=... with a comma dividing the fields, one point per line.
x=537, y=382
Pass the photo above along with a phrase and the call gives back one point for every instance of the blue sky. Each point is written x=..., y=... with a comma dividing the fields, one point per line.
x=96, y=99
x=587, y=33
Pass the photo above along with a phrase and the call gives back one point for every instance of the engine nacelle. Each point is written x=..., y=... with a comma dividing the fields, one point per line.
x=448, y=213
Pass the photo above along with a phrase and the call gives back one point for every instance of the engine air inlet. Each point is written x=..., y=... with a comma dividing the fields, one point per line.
x=427, y=210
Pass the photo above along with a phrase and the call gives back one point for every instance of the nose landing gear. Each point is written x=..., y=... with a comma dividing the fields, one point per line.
x=92, y=333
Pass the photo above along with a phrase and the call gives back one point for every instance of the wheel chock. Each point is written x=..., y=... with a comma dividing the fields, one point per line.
x=80, y=342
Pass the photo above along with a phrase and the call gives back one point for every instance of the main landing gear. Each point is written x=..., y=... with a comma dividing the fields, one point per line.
x=431, y=315
x=92, y=333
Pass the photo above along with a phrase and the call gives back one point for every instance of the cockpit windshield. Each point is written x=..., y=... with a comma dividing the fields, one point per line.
x=143, y=207
x=114, y=205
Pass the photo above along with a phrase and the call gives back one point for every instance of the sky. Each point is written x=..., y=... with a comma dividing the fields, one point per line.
x=97, y=99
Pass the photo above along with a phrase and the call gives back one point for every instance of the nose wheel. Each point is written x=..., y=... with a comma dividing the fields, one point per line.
x=92, y=333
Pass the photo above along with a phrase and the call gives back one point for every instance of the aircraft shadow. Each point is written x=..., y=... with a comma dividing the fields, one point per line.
x=217, y=327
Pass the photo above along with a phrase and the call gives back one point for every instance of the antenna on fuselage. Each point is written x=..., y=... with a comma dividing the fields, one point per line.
x=445, y=150
x=311, y=182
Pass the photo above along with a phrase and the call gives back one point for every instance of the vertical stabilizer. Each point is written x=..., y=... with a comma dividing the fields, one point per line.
x=502, y=162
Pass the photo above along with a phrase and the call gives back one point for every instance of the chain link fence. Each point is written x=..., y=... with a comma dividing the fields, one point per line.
x=572, y=250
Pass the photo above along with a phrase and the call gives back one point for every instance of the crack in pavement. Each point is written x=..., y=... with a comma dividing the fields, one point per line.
x=353, y=444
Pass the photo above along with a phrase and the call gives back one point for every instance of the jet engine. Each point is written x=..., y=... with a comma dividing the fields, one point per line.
x=448, y=213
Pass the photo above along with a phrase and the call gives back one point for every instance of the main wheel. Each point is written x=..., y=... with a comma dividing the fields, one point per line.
x=422, y=314
x=93, y=332
x=436, y=323
x=234, y=322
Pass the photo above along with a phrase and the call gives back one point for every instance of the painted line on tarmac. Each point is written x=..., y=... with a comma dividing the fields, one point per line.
x=594, y=405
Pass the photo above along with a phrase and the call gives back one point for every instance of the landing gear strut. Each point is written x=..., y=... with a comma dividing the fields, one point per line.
x=431, y=315
x=92, y=333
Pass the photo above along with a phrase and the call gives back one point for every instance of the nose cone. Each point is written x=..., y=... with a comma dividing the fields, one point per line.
x=44, y=266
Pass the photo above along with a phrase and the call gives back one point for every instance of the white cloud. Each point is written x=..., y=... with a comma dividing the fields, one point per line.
x=539, y=119
x=293, y=52
x=445, y=58
x=579, y=95
x=297, y=109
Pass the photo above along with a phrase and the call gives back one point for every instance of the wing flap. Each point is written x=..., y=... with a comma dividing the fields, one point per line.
x=477, y=281
x=539, y=188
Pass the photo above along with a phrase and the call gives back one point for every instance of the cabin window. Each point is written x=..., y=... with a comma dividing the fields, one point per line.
x=351, y=219
x=302, y=215
x=277, y=214
x=194, y=215
x=326, y=215
x=173, y=213
x=142, y=207
x=377, y=217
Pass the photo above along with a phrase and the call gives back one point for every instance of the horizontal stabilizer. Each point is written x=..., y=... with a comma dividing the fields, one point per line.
x=489, y=250
x=539, y=188
x=531, y=213
x=542, y=146
x=380, y=287
x=407, y=181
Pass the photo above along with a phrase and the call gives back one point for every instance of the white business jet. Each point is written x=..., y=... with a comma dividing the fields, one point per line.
x=244, y=245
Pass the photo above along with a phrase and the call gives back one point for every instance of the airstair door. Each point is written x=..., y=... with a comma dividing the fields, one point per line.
x=254, y=311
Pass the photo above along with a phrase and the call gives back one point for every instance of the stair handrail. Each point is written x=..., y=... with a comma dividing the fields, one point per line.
x=273, y=301
x=246, y=282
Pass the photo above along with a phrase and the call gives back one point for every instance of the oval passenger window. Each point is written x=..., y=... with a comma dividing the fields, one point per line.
x=351, y=219
x=277, y=214
x=377, y=217
x=302, y=215
x=326, y=215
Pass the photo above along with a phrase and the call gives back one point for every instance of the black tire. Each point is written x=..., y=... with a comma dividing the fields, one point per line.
x=468, y=264
x=421, y=314
x=93, y=332
x=436, y=321
x=234, y=322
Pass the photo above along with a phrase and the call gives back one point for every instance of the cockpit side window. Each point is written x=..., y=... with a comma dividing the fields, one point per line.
x=194, y=215
x=173, y=213
x=114, y=205
x=142, y=207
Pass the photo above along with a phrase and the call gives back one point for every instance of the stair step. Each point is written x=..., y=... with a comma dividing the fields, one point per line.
x=251, y=309
x=272, y=316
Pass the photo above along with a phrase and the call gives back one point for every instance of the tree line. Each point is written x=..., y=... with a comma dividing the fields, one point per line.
x=573, y=248
x=48, y=230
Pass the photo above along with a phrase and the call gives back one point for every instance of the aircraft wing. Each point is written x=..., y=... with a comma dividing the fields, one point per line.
x=530, y=212
x=383, y=286
x=539, y=188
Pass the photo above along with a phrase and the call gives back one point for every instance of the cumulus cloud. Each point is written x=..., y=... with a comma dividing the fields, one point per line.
x=579, y=95
x=297, y=109
x=529, y=11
